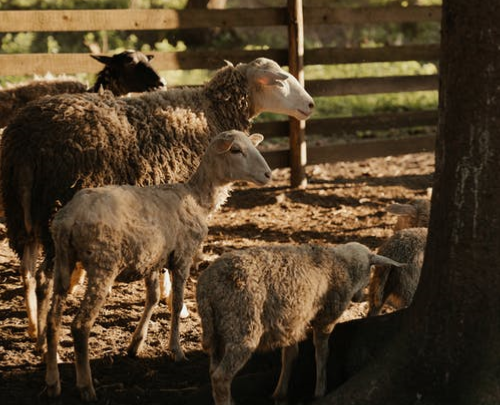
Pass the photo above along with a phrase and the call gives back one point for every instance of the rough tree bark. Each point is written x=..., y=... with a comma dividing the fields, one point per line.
x=445, y=348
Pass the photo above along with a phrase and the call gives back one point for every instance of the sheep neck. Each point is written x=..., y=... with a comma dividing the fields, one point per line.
x=208, y=186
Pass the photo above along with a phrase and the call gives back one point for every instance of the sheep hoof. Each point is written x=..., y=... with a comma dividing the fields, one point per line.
x=54, y=390
x=178, y=356
x=184, y=312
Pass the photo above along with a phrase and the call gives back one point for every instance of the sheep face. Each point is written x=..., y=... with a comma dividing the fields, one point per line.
x=131, y=71
x=274, y=90
x=239, y=159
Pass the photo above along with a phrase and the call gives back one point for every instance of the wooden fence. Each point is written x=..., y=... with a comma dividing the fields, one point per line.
x=295, y=16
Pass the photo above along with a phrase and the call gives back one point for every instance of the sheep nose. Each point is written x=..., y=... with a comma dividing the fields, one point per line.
x=311, y=105
x=268, y=175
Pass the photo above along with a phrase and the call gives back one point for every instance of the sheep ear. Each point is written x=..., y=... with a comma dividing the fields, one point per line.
x=256, y=138
x=150, y=57
x=101, y=58
x=265, y=77
x=402, y=209
x=384, y=261
x=222, y=145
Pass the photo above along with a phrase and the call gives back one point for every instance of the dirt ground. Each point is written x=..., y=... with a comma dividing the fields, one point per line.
x=343, y=202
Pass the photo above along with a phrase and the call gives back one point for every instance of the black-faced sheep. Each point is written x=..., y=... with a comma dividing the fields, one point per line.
x=56, y=147
x=125, y=72
x=130, y=232
x=391, y=285
x=263, y=298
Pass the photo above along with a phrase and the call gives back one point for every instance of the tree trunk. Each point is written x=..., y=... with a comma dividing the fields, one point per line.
x=447, y=348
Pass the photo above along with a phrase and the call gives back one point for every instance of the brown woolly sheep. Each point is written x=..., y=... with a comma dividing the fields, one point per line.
x=263, y=298
x=56, y=147
x=130, y=232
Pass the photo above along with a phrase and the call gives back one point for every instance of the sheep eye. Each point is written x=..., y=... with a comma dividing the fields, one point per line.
x=236, y=151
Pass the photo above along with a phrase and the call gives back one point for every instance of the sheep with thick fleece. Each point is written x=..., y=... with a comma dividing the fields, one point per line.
x=262, y=298
x=388, y=284
x=126, y=72
x=56, y=147
x=130, y=232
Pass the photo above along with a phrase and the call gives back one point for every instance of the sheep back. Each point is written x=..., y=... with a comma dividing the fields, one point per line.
x=14, y=98
x=269, y=295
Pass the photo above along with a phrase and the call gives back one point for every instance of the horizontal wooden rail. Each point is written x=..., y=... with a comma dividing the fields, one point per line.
x=333, y=56
x=26, y=64
x=343, y=125
x=38, y=63
x=137, y=19
x=371, y=85
x=355, y=150
x=370, y=15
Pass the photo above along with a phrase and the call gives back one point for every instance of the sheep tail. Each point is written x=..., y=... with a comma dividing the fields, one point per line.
x=63, y=266
x=26, y=184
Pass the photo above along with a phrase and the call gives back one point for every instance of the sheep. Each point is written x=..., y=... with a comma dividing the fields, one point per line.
x=389, y=284
x=262, y=298
x=130, y=232
x=415, y=214
x=56, y=147
x=125, y=72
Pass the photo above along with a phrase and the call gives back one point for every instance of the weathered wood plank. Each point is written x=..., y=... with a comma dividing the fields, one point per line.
x=343, y=125
x=135, y=19
x=332, y=56
x=41, y=64
x=356, y=151
x=370, y=15
x=371, y=85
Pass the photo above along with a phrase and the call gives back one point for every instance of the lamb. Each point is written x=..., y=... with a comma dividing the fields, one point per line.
x=390, y=285
x=129, y=232
x=128, y=71
x=56, y=147
x=262, y=298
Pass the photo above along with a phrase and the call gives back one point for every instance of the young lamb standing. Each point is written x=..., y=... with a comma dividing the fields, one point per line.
x=65, y=143
x=130, y=232
x=263, y=298
x=389, y=284
x=125, y=72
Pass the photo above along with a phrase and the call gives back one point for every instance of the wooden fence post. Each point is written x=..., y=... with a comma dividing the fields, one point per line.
x=298, y=152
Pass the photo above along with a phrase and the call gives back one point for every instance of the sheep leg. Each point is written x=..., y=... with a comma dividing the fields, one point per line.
x=43, y=294
x=322, y=352
x=28, y=270
x=178, y=285
x=166, y=290
x=53, y=330
x=288, y=356
x=234, y=358
x=95, y=295
x=76, y=277
x=152, y=299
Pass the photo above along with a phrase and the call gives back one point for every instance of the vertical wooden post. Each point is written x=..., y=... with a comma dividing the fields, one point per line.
x=298, y=153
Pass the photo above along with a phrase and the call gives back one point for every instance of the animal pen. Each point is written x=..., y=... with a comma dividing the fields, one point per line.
x=296, y=18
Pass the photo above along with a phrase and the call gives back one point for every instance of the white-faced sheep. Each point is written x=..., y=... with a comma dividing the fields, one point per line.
x=263, y=298
x=56, y=147
x=390, y=285
x=125, y=72
x=130, y=232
